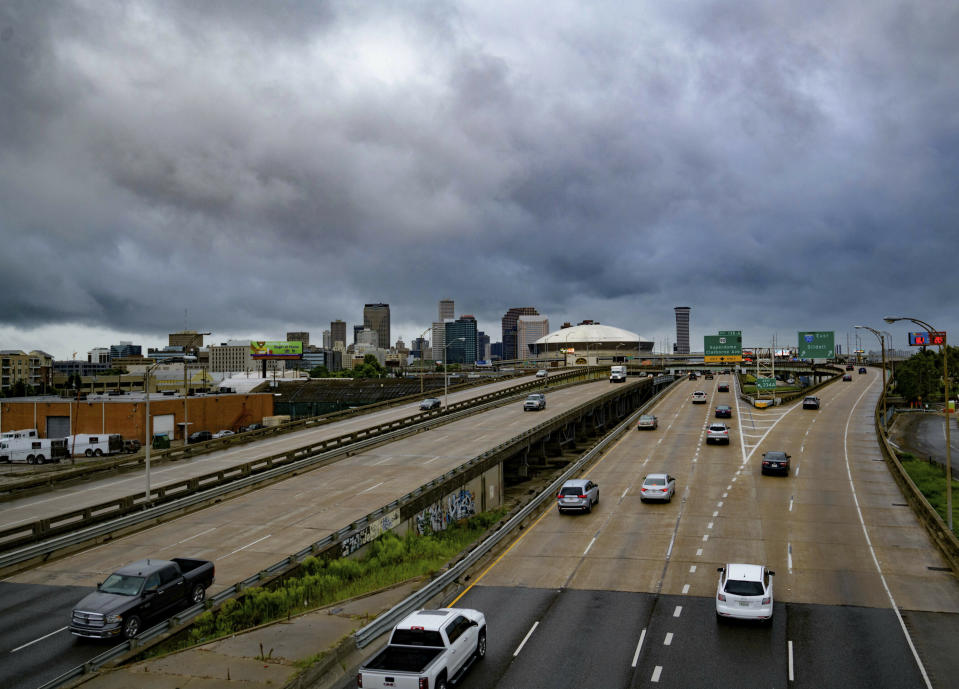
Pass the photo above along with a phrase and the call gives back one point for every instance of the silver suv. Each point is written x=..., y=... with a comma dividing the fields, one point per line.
x=578, y=494
x=717, y=433
x=535, y=402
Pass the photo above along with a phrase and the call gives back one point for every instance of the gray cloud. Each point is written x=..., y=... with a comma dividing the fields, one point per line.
x=276, y=165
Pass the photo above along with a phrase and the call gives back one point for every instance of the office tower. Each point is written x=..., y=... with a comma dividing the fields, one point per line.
x=303, y=337
x=461, y=351
x=446, y=312
x=377, y=317
x=682, y=330
x=438, y=340
x=482, y=346
x=338, y=332
x=124, y=349
x=327, y=340
x=367, y=337
x=509, y=329
x=528, y=330
x=357, y=329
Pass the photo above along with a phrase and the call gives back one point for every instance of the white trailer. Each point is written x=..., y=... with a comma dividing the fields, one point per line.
x=31, y=449
x=94, y=445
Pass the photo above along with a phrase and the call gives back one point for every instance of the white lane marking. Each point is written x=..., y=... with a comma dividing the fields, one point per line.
x=789, y=557
x=639, y=647
x=725, y=495
x=382, y=461
x=699, y=552
x=797, y=470
x=624, y=494
x=792, y=676
x=590, y=545
x=430, y=461
x=244, y=547
x=790, y=503
x=669, y=550
x=45, y=636
x=729, y=487
x=526, y=638
x=705, y=537
x=716, y=513
x=709, y=525
x=685, y=589
x=668, y=640
x=196, y=535
x=371, y=488
x=678, y=611
x=692, y=569
x=872, y=552
x=720, y=503
x=657, y=671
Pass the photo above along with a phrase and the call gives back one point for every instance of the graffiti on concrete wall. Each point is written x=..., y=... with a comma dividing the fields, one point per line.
x=369, y=533
x=449, y=510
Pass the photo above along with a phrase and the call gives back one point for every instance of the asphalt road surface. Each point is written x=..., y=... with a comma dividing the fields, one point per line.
x=623, y=597
x=247, y=534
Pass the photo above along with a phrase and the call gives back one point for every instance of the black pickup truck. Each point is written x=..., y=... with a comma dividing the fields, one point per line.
x=139, y=595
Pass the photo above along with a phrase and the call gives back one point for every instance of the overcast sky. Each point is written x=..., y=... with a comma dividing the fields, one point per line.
x=249, y=168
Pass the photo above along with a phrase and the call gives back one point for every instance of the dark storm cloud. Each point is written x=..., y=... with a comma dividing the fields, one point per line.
x=777, y=166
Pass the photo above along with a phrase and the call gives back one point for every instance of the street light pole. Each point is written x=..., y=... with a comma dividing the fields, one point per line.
x=944, y=348
x=882, y=345
x=149, y=425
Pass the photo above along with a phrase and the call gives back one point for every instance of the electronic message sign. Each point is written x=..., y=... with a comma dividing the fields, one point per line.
x=260, y=349
x=723, y=348
x=817, y=344
x=922, y=339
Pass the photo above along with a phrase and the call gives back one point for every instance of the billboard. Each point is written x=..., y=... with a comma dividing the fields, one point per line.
x=723, y=348
x=261, y=349
x=816, y=344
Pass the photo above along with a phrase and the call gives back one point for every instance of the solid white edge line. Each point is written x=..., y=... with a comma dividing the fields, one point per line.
x=526, y=638
x=639, y=647
x=45, y=636
x=872, y=552
x=792, y=676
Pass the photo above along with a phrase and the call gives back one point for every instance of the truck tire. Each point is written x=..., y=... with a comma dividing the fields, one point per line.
x=441, y=682
x=197, y=595
x=31, y=459
x=88, y=452
x=481, y=645
x=131, y=627
x=98, y=452
x=41, y=459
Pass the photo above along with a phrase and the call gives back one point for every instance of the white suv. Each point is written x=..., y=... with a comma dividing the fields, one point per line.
x=699, y=397
x=745, y=591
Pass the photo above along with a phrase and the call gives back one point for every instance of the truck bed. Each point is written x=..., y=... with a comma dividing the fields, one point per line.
x=402, y=659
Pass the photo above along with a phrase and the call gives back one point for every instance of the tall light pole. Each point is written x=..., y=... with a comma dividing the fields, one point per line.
x=944, y=349
x=446, y=371
x=882, y=345
x=149, y=424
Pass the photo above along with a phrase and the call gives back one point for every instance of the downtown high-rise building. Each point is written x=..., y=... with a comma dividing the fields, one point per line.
x=461, y=340
x=510, y=319
x=446, y=311
x=338, y=332
x=377, y=317
x=327, y=340
x=300, y=336
x=528, y=330
x=682, y=330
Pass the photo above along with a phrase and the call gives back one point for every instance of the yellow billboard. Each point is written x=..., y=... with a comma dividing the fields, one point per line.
x=262, y=349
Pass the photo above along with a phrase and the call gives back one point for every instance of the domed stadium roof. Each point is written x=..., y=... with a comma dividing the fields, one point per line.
x=588, y=333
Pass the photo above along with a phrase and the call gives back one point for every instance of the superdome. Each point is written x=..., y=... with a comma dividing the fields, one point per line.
x=588, y=333
x=591, y=343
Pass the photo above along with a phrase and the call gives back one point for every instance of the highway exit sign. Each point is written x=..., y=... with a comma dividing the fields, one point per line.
x=765, y=383
x=726, y=347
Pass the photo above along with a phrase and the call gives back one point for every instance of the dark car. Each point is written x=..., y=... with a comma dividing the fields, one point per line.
x=862, y=369
x=724, y=411
x=139, y=595
x=850, y=367
x=722, y=387
x=430, y=403
x=692, y=375
x=708, y=375
x=810, y=402
x=847, y=378
x=200, y=436
x=776, y=461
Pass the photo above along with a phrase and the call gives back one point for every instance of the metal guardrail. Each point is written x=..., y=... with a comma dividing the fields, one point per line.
x=363, y=637
x=239, y=476
x=278, y=568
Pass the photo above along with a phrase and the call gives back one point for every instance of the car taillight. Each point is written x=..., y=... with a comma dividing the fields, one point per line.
x=663, y=489
x=766, y=601
x=359, y=679
x=721, y=596
x=582, y=497
x=559, y=496
x=424, y=683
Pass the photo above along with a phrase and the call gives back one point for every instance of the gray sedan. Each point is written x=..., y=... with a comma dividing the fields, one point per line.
x=660, y=487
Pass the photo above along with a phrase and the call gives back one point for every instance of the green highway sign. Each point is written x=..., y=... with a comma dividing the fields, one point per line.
x=816, y=344
x=765, y=383
x=732, y=333
x=723, y=348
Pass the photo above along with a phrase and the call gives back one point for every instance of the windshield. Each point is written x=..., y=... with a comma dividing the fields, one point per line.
x=122, y=584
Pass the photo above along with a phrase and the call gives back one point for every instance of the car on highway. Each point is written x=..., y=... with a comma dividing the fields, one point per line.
x=776, y=461
x=647, y=422
x=225, y=433
x=810, y=402
x=717, y=433
x=139, y=595
x=428, y=648
x=660, y=487
x=846, y=378
x=692, y=375
x=542, y=373
x=850, y=367
x=430, y=403
x=200, y=436
x=535, y=402
x=724, y=411
x=745, y=592
x=862, y=370
x=699, y=397
x=578, y=494
x=722, y=387
x=708, y=375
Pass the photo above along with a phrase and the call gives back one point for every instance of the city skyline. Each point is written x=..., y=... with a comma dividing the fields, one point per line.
x=777, y=169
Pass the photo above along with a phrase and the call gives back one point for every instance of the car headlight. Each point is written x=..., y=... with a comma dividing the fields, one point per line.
x=113, y=619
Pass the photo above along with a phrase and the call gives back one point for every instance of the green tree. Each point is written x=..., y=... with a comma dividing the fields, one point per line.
x=920, y=376
x=319, y=372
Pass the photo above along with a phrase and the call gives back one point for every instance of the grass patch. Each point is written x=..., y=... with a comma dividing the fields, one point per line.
x=390, y=560
x=931, y=481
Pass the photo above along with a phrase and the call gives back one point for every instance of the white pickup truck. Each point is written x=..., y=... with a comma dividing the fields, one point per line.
x=428, y=649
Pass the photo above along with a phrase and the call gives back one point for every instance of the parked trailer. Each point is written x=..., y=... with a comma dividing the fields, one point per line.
x=94, y=445
x=33, y=450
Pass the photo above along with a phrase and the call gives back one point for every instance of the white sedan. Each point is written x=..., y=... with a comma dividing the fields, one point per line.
x=745, y=591
x=660, y=487
x=223, y=434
